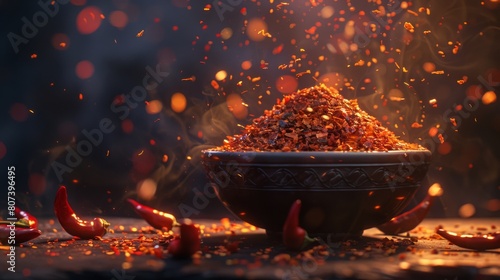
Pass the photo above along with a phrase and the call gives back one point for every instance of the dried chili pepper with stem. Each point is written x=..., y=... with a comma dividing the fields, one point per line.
x=20, y=214
x=295, y=237
x=469, y=241
x=155, y=218
x=412, y=218
x=72, y=224
x=22, y=234
x=188, y=243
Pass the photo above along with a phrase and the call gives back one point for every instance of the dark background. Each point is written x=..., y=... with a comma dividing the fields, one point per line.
x=184, y=38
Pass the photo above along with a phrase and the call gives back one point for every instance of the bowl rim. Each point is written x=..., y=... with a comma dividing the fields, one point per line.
x=315, y=157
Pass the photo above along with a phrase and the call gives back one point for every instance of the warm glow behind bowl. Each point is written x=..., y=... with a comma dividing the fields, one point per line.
x=342, y=193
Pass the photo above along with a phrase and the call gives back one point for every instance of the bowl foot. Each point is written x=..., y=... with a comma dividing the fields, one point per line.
x=276, y=236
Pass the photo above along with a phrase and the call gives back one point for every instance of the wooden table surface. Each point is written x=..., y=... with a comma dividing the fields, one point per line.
x=134, y=251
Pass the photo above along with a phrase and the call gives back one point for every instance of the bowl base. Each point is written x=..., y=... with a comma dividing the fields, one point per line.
x=327, y=238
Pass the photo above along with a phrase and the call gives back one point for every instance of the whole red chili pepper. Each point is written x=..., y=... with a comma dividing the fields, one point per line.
x=412, y=218
x=155, y=218
x=188, y=243
x=21, y=234
x=20, y=214
x=469, y=241
x=295, y=237
x=72, y=224
x=22, y=223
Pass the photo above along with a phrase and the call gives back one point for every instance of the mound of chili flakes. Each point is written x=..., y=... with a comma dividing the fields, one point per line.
x=316, y=119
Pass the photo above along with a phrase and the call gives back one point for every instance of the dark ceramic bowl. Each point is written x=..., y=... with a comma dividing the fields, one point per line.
x=342, y=193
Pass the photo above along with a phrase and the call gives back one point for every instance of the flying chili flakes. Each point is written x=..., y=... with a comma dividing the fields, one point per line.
x=281, y=5
x=408, y=26
x=278, y=49
x=264, y=33
x=463, y=80
x=315, y=3
x=416, y=125
x=140, y=33
x=438, y=72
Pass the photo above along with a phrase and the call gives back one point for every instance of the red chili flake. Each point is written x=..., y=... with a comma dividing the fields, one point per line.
x=441, y=138
x=214, y=84
x=278, y=49
x=416, y=125
x=311, y=30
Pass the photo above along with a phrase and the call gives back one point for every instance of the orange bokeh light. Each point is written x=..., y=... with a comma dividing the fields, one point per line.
x=256, y=29
x=489, y=97
x=127, y=126
x=474, y=92
x=221, y=75
x=37, y=183
x=118, y=19
x=332, y=79
x=178, y=102
x=154, y=107
x=444, y=148
x=84, y=69
x=3, y=150
x=429, y=67
x=467, y=210
x=146, y=189
x=286, y=84
x=88, y=20
x=19, y=112
x=245, y=65
x=235, y=105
